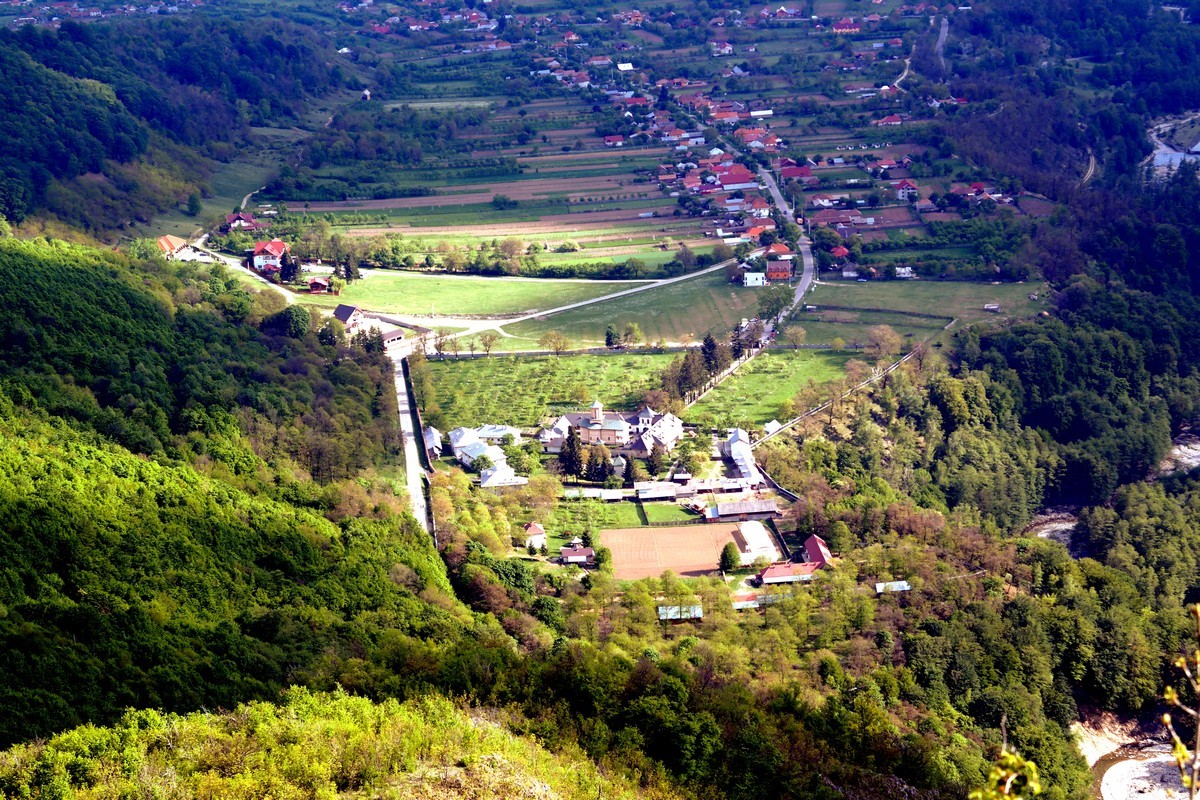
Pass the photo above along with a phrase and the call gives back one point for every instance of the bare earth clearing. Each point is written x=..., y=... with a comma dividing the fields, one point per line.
x=687, y=550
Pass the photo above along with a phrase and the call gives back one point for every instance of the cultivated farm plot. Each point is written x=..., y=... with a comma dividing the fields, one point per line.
x=455, y=295
x=687, y=550
x=685, y=310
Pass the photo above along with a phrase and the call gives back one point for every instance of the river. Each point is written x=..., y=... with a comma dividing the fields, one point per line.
x=1144, y=771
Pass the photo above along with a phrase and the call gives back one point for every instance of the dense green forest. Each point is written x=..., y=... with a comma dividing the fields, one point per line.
x=184, y=361
x=101, y=130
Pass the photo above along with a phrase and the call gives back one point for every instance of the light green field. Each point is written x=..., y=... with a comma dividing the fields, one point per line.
x=573, y=517
x=688, y=309
x=755, y=393
x=958, y=299
x=446, y=295
x=949, y=300
x=526, y=391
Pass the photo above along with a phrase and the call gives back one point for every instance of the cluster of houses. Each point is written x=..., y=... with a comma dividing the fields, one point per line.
x=784, y=573
x=779, y=267
x=633, y=433
x=53, y=14
x=471, y=445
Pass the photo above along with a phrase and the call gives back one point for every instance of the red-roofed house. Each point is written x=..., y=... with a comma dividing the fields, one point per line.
x=846, y=25
x=780, y=251
x=839, y=252
x=787, y=573
x=817, y=551
x=614, y=141
x=906, y=190
x=243, y=221
x=779, y=270
x=577, y=555
x=796, y=172
x=890, y=119
x=170, y=246
x=268, y=255
x=836, y=216
x=758, y=207
x=535, y=535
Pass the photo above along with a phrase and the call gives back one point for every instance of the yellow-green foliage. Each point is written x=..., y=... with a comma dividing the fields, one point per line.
x=314, y=745
x=132, y=582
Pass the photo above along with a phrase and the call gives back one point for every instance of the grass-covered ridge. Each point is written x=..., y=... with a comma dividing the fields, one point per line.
x=314, y=745
x=130, y=582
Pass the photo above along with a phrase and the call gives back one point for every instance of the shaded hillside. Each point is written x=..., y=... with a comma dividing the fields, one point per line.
x=102, y=131
x=184, y=360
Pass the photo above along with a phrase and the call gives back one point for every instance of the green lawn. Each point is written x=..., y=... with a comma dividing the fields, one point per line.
x=452, y=295
x=689, y=308
x=525, y=391
x=658, y=513
x=573, y=517
x=754, y=394
x=946, y=299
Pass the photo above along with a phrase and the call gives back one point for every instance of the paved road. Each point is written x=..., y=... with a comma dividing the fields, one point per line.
x=237, y=265
x=769, y=179
x=803, y=244
x=246, y=199
x=413, y=471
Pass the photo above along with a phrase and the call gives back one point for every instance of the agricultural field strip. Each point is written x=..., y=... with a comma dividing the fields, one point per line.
x=537, y=315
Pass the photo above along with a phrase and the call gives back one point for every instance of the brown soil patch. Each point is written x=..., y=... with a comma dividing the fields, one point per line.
x=891, y=214
x=687, y=550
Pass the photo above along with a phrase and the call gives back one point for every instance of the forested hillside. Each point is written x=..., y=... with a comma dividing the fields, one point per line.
x=101, y=130
x=183, y=360
x=188, y=507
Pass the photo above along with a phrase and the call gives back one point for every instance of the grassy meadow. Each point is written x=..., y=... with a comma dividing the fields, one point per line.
x=754, y=394
x=680, y=311
x=454, y=295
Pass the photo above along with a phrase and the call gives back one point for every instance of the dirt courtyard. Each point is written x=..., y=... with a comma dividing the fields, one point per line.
x=687, y=550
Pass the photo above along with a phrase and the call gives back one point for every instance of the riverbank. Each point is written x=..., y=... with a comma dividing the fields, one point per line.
x=1129, y=758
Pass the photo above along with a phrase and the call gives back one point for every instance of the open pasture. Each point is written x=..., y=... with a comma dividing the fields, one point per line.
x=755, y=394
x=959, y=299
x=679, y=312
x=453, y=295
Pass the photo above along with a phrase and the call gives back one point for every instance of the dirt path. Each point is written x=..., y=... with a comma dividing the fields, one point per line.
x=940, y=48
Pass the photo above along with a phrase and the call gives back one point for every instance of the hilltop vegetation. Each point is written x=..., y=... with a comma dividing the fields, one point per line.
x=311, y=745
x=195, y=503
